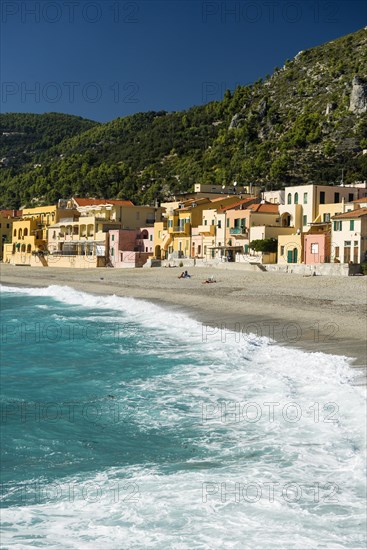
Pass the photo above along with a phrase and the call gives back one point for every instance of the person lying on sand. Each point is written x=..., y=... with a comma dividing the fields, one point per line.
x=184, y=275
x=209, y=280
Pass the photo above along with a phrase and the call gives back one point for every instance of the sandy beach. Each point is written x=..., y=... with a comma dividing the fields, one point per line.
x=325, y=314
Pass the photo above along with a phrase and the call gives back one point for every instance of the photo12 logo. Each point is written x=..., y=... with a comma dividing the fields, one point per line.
x=69, y=92
x=269, y=11
x=271, y=491
x=70, y=12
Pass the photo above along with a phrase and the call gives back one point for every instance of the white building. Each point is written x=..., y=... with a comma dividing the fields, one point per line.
x=349, y=237
x=302, y=203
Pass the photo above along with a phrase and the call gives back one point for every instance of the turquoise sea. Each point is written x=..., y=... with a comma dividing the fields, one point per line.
x=127, y=425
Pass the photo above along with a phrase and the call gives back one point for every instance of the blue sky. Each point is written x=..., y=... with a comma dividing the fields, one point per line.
x=102, y=59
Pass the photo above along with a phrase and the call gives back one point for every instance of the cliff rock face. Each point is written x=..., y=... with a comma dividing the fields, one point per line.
x=358, y=97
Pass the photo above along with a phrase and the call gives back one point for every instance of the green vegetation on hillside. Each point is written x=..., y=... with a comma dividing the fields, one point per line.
x=295, y=127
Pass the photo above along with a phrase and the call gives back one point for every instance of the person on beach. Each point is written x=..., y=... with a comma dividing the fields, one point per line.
x=209, y=280
x=184, y=275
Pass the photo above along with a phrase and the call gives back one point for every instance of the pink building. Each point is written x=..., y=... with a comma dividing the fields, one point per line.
x=317, y=248
x=130, y=247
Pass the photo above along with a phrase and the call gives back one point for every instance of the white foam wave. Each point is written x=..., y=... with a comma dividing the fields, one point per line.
x=210, y=384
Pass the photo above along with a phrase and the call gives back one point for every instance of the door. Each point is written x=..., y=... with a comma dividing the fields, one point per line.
x=292, y=256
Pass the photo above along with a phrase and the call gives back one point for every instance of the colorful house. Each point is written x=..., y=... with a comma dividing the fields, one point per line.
x=122, y=212
x=7, y=217
x=317, y=244
x=302, y=203
x=30, y=235
x=82, y=240
x=349, y=237
x=290, y=248
x=173, y=238
x=130, y=247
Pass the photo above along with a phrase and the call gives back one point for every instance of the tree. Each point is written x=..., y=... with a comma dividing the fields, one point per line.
x=264, y=245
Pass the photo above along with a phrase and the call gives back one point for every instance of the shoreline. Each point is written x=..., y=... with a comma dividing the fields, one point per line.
x=315, y=314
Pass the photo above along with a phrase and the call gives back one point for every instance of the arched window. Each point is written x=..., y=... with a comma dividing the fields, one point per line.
x=289, y=200
x=29, y=249
x=15, y=232
x=296, y=198
x=25, y=232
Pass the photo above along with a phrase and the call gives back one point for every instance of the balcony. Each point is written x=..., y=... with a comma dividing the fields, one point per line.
x=207, y=229
x=183, y=229
x=239, y=231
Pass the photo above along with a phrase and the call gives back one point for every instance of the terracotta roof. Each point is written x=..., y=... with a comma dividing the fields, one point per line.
x=361, y=200
x=239, y=203
x=358, y=213
x=189, y=204
x=11, y=213
x=223, y=197
x=94, y=202
x=267, y=208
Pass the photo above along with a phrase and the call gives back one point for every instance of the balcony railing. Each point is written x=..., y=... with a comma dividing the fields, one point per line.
x=238, y=231
x=208, y=229
x=184, y=228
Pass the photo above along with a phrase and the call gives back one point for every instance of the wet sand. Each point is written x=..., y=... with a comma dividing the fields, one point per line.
x=325, y=314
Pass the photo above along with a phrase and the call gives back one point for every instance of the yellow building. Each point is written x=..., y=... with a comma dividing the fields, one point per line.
x=290, y=248
x=122, y=212
x=30, y=235
x=177, y=237
x=7, y=218
x=80, y=239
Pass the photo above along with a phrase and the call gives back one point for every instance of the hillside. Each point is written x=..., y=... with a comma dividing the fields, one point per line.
x=304, y=124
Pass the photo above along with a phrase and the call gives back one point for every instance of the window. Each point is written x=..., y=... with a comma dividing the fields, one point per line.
x=112, y=251
x=289, y=199
x=347, y=243
x=113, y=237
x=355, y=243
x=219, y=224
x=212, y=222
x=350, y=197
x=304, y=220
x=296, y=198
x=351, y=225
x=336, y=197
x=282, y=250
x=205, y=222
x=326, y=218
x=337, y=225
x=322, y=197
x=314, y=248
x=7, y=226
x=337, y=252
x=305, y=198
x=151, y=237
